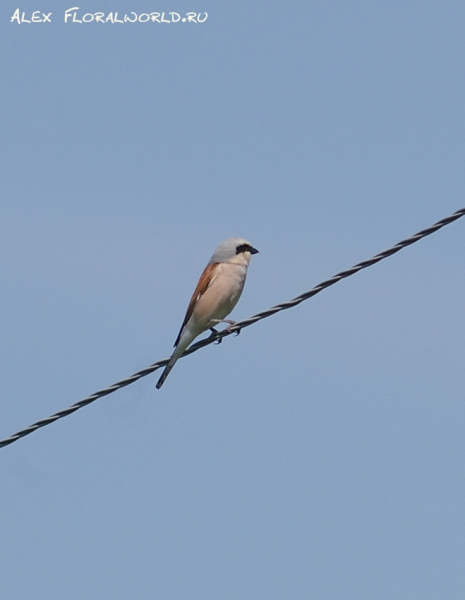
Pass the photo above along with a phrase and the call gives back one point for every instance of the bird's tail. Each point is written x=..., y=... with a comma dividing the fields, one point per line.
x=166, y=372
x=186, y=339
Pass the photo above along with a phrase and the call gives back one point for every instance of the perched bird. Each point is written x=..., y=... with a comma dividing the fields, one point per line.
x=218, y=290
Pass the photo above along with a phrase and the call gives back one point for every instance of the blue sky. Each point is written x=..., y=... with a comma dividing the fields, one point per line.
x=321, y=453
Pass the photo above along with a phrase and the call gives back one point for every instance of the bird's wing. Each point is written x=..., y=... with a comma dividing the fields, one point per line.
x=205, y=281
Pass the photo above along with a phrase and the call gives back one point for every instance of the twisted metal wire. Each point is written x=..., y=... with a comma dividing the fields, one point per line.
x=236, y=328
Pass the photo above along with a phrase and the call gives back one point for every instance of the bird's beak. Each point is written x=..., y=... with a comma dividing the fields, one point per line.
x=253, y=251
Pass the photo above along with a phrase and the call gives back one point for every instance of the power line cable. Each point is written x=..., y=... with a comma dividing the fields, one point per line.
x=236, y=328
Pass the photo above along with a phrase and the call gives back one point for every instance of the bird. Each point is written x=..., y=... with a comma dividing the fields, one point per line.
x=217, y=293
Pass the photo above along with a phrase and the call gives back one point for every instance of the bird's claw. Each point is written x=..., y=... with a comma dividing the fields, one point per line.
x=232, y=325
x=229, y=322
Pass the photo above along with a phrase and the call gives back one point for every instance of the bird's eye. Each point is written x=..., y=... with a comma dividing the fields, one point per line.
x=246, y=248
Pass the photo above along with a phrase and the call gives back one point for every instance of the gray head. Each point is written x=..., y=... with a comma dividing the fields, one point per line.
x=233, y=250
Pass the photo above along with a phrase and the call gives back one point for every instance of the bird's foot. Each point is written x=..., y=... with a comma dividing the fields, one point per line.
x=231, y=324
x=228, y=321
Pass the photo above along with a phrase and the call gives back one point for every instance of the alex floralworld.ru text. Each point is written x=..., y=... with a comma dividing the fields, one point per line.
x=72, y=15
